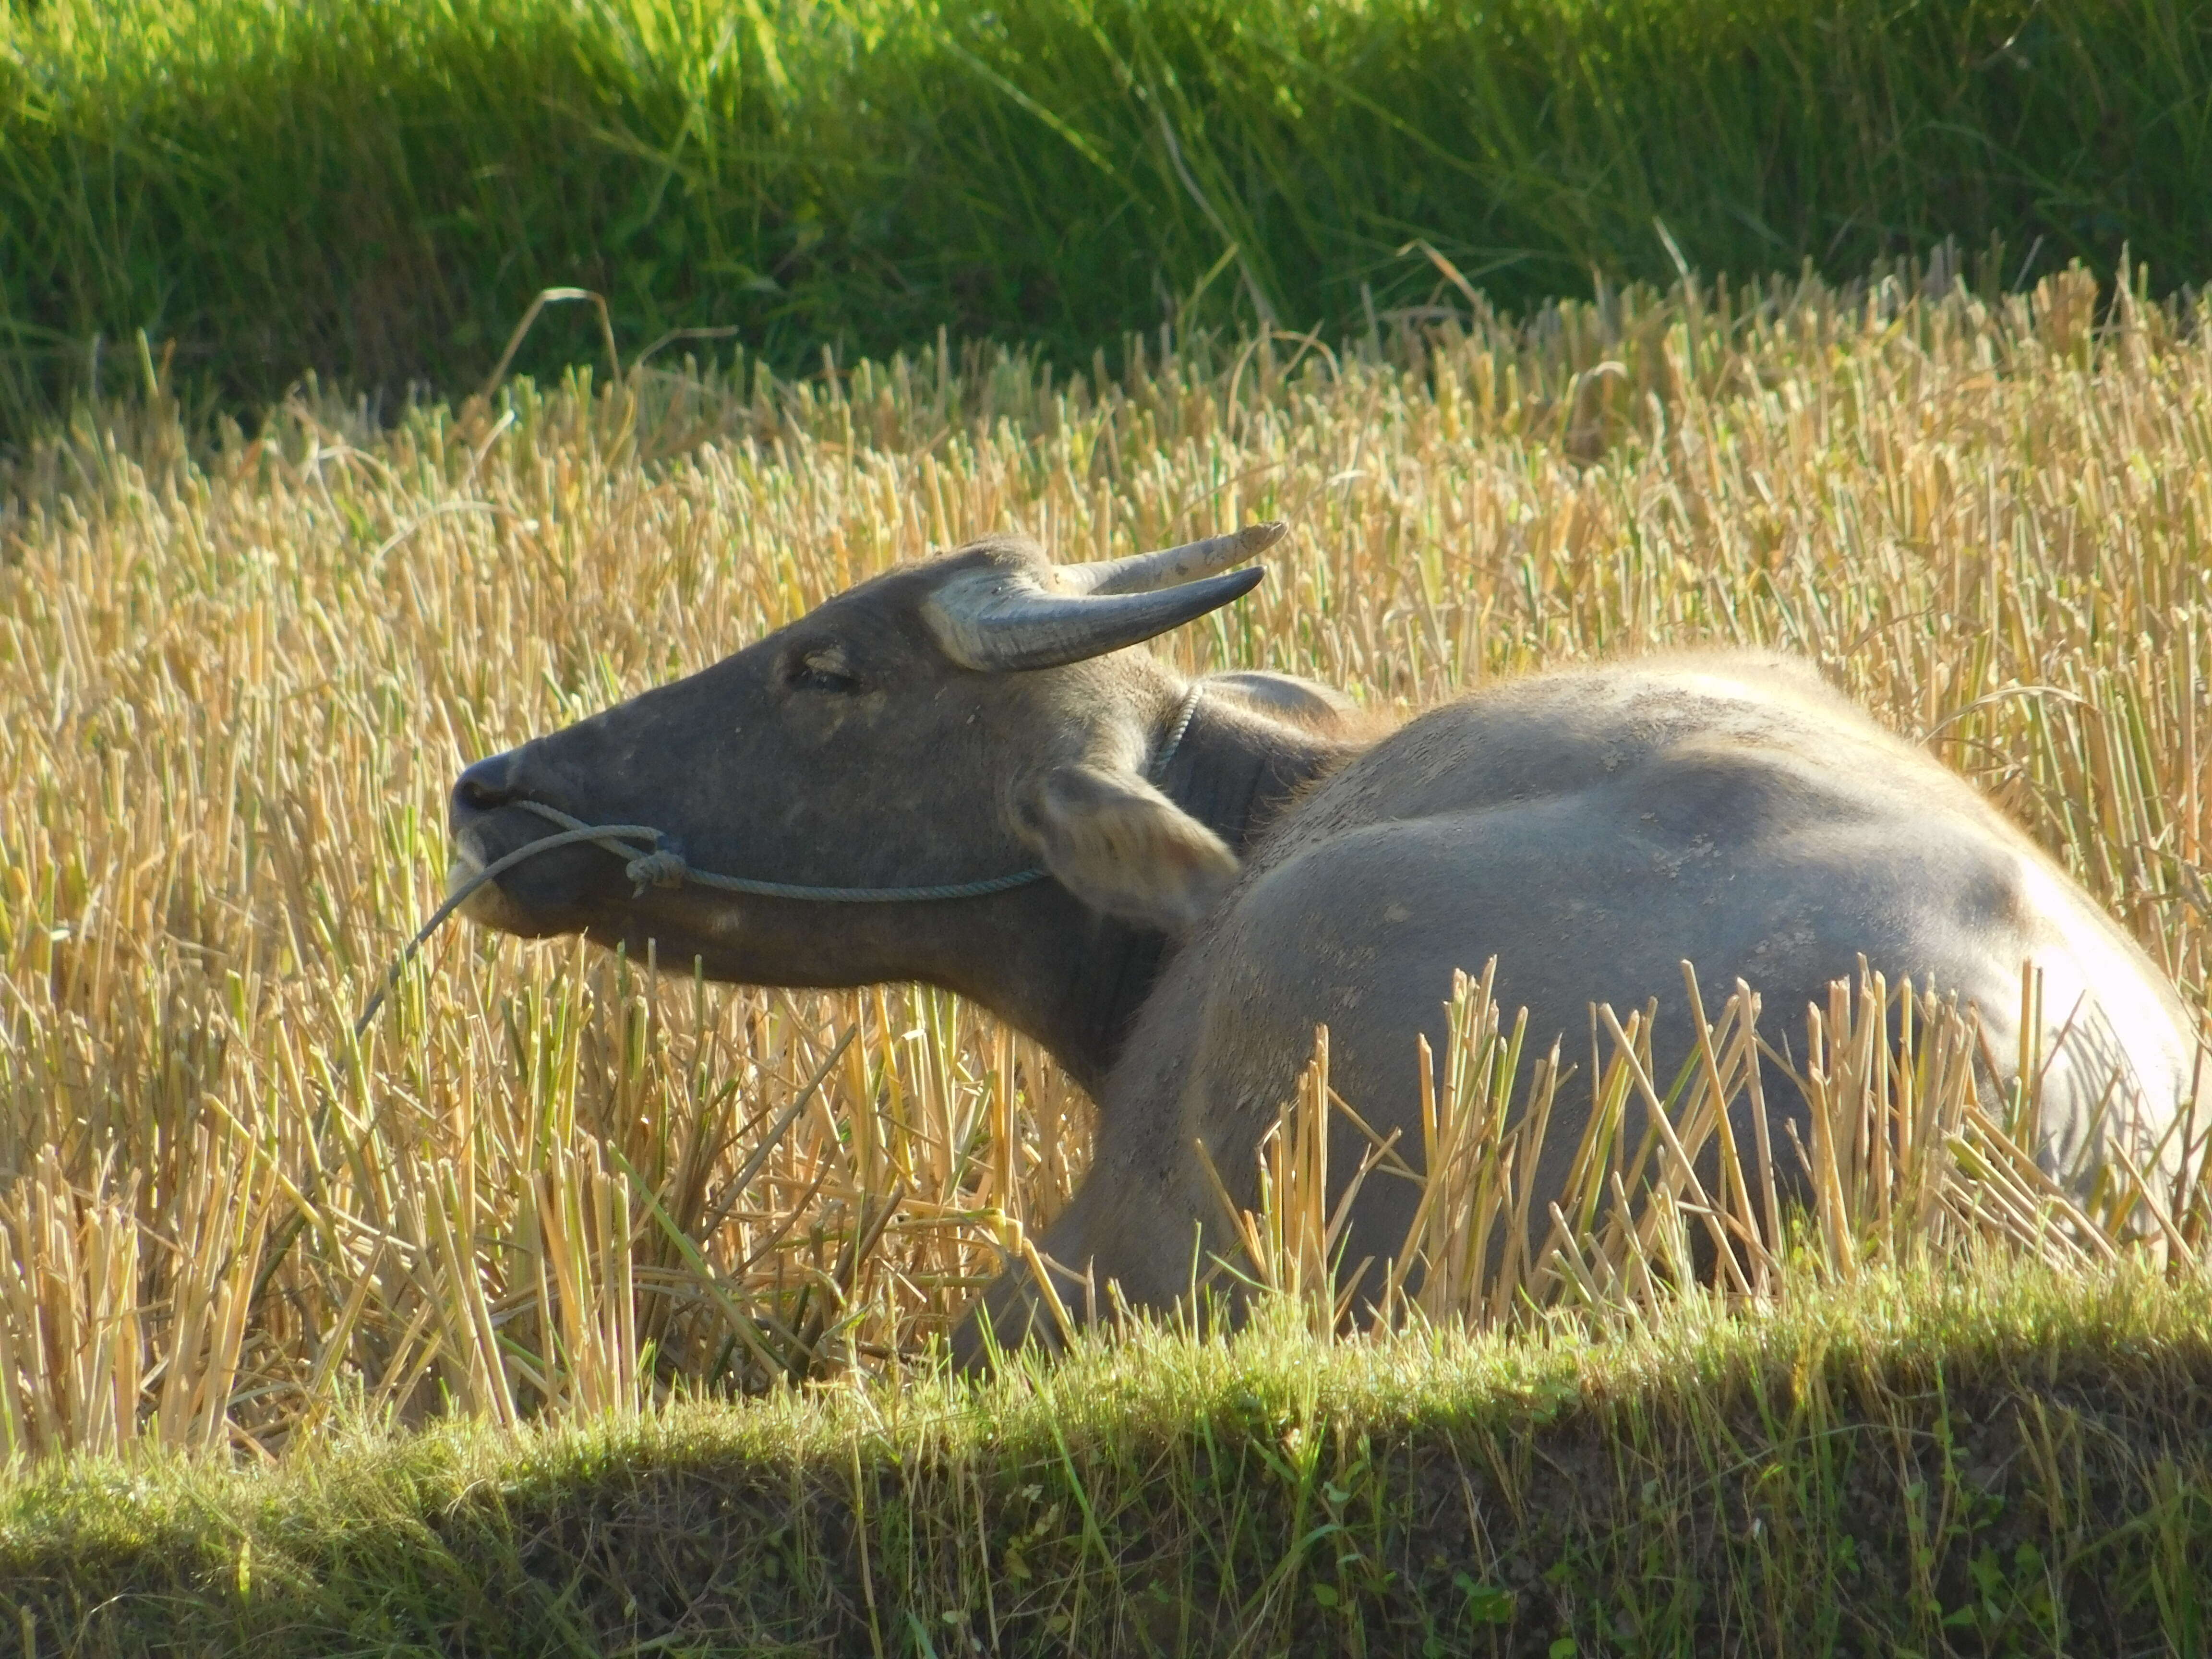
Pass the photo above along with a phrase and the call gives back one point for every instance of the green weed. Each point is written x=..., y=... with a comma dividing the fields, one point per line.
x=374, y=191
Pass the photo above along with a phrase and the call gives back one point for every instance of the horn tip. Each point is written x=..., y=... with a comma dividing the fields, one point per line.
x=1259, y=538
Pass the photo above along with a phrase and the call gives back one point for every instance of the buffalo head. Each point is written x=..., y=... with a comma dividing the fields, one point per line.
x=953, y=720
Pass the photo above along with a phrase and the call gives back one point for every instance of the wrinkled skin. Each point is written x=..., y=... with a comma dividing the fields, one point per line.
x=1590, y=829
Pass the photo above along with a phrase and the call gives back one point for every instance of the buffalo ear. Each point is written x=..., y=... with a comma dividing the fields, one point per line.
x=1122, y=847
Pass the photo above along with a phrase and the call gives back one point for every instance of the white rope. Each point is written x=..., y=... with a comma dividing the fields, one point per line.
x=664, y=866
x=659, y=864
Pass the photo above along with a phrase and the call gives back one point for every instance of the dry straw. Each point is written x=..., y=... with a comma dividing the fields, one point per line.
x=1908, y=1154
x=241, y=672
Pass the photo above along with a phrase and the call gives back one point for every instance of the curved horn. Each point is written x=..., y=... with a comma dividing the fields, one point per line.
x=1145, y=573
x=997, y=622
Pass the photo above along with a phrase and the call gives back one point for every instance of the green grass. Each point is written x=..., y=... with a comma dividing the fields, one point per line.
x=2000, y=1462
x=377, y=191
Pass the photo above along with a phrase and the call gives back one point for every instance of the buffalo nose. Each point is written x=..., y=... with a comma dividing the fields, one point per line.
x=488, y=784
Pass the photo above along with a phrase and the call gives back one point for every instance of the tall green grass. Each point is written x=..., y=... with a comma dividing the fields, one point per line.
x=376, y=191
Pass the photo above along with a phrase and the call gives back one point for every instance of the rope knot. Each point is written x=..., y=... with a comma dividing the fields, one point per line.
x=663, y=868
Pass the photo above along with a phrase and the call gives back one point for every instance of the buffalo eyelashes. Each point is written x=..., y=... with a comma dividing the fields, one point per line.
x=821, y=670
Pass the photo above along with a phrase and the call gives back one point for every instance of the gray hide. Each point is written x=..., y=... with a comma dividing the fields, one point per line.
x=1588, y=829
x=1591, y=828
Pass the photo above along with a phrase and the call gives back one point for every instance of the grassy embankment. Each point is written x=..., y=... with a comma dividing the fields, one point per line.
x=542, y=1187
x=375, y=191
x=1992, y=1463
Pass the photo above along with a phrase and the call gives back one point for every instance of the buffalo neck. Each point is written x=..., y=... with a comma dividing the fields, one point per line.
x=1074, y=980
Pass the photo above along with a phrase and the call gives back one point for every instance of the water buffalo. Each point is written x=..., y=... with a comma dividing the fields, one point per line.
x=1230, y=863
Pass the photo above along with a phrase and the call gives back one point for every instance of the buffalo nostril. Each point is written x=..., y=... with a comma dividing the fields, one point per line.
x=489, y=783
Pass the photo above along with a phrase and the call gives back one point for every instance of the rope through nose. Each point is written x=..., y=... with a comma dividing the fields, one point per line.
x=661, y=866
x=664, y=866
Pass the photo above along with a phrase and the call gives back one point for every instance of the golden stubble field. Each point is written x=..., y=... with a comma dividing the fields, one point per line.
x=240, y=674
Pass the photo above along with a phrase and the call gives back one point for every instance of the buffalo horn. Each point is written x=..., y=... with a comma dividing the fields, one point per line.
x=1147, y=573
x=999, y=622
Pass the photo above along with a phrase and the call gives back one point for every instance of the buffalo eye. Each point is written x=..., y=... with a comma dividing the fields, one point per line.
x=825, y=669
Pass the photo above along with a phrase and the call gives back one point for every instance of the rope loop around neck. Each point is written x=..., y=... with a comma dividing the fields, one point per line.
x=1185, y=713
